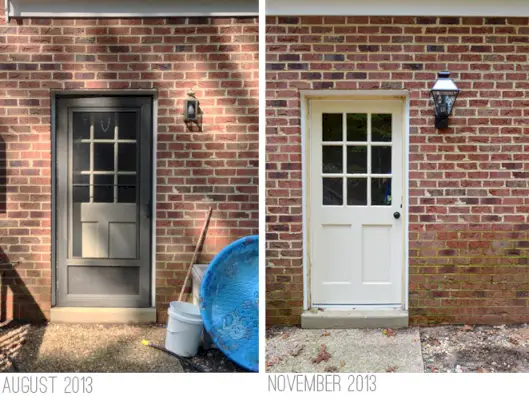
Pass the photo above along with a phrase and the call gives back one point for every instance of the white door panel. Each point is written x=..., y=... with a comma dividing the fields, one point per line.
x=356, y=179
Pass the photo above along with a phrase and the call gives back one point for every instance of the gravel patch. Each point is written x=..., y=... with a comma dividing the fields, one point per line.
x=292, y=349
x=96, y=348
x=481, y=348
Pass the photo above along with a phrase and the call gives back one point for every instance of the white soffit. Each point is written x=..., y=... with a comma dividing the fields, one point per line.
x=130, y=8
x=445, y=8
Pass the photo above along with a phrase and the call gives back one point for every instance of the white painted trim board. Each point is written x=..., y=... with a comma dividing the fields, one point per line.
x=448, y=8
x=305, y=97
x=130, y=8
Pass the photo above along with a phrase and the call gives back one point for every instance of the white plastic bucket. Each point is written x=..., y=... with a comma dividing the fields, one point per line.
x=184, y=329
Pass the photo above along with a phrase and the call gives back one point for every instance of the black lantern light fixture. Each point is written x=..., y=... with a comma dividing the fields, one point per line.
x=191, y=107
x=444, y=94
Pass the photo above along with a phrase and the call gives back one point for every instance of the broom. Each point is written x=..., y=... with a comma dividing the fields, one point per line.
x=187, y=365
x=197, y=248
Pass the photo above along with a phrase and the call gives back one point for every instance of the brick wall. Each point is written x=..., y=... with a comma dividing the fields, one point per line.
x=217, y=167
x=469, y=192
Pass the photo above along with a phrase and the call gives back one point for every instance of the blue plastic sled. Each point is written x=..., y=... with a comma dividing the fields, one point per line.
x=229, y=301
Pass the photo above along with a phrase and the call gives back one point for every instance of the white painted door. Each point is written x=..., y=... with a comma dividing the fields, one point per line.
x=355, y=188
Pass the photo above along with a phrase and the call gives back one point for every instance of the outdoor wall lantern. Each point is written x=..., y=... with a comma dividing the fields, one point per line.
x=444, y=94
x=191, y=107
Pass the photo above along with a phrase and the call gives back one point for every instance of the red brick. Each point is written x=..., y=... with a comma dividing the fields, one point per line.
x=108, y=54
x=468, y=238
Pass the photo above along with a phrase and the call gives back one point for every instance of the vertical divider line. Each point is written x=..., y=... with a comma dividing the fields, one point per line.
x=116, y=159
x=369, y=149
x=91, y=155
x=344, y=159
x=262, y=183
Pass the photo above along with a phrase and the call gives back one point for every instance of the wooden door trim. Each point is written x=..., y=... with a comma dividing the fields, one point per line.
x=306, y=98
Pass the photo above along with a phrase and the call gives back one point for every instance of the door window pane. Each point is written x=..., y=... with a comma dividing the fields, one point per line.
x=356, y=191
x=127, y=189
x=103, y=194
x=380, y=160
x=81, y=194
x=104, y=180
x=81, y=162
x=332, y=159
x=332, y=191
x=126, y=194
x=81, y=157
x=81, y=125
x=104, y=125
x=81, y=179
x=127, y=125
x=103, y=157
x=381, y=191
x=128, y=180
x=332, y=127
x=127, y=157
x=356, y=127
x=356, y=159
x=381, y=127
x=103, y=188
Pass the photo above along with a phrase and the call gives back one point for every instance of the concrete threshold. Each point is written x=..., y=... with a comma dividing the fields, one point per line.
x=103, y=315
x=353, y=319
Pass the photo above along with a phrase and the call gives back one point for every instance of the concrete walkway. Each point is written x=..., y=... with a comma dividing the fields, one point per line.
x=95, y=348
x=292, y=349
x=87, y=348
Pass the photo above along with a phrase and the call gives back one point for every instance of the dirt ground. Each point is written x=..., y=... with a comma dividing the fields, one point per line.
x=442, y=349
x=96, y=348
x=476, y=348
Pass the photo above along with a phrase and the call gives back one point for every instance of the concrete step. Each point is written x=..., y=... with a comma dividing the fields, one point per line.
x=353, y=319
x=103, y=315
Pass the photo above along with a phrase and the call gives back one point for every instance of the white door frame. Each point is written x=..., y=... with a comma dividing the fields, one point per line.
x=306, y=96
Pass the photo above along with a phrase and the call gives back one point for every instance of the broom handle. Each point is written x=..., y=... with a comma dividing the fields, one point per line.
x=199, y=244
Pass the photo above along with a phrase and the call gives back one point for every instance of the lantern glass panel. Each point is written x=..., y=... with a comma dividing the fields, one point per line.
x=444, y=101
x=191, y=110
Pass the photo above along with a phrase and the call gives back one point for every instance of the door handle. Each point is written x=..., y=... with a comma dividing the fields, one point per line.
x=396, y=215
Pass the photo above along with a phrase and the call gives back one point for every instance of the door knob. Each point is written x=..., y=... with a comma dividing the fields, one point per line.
x=396, y=214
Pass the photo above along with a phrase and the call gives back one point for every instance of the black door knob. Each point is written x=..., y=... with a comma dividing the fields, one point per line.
x=396, y=214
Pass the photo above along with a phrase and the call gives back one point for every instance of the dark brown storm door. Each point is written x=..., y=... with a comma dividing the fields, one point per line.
x=103, y=201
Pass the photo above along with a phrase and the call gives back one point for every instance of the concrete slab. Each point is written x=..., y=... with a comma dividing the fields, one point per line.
x=354, y=319
x=102, y=315
x=292, y=349
x=92, y=348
